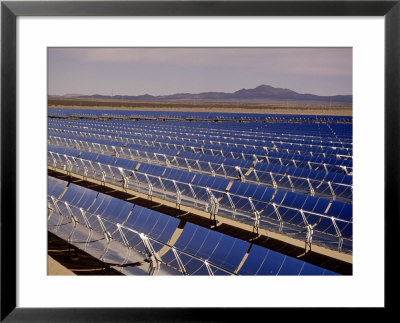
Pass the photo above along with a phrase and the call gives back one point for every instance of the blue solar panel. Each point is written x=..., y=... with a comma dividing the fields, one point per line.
x=55, y=186
x=157, y=225
x=216, y=247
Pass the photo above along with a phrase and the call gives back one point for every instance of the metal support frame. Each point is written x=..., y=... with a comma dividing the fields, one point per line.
x=256, y=215
x=187, y=164
x=211, y=169
x=150, y=191
x=312, y=192
x=107, y=235
x=309, y=229
x=241, y=177
x=256, y=176
x=162, y=186
x=291, y=183
x=232, y=205
x=60, y=215
x=255, y=159
x=194, y=194
x=115, y=151
x=69, y=166
x=210, y=272
x=152, y=255
x=278, y=215
x=77, y=145
x=332, y=191
x=87, y=224
x=178, y=195
x=273, y=180
x=74, y=221
x=179, y=261
x=339, y=234
x=212, y=205
x=198, y=165
x=223, y=169
x=344, y=168
x=126, y=243
x=53, y=201
x=147, y=156
x=166, y=160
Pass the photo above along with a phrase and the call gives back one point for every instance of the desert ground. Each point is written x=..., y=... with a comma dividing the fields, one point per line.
x=201, y=106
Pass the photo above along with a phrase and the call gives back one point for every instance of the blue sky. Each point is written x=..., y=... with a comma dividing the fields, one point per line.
x=159, y=71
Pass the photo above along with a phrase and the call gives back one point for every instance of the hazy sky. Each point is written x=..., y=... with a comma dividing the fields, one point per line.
x=158, y=71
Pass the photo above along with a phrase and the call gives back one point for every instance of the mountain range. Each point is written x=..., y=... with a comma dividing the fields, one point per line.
x=262, y=92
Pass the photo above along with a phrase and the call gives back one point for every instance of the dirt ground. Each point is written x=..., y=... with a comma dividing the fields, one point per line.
x=224, y=107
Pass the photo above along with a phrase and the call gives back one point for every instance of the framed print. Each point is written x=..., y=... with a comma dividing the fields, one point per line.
x=53, y=50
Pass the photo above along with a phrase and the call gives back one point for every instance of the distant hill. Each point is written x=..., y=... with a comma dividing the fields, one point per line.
x=260, y=93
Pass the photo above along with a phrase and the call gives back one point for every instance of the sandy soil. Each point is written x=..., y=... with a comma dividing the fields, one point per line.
x=54, y=268
x=232, y=107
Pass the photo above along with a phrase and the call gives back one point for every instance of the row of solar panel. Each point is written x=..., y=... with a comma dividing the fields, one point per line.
x=219, y=136
x=216, y=132
x=196, y=246
x=301, y=168
x=185, y=115
x=252, y=204
x=304, y=161
x=220, y=143
x=318, y=183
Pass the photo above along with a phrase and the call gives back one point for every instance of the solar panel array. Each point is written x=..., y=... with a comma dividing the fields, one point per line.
x=138, y=240
x=292, y=175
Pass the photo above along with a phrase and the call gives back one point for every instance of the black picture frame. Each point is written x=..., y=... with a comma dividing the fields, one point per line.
x=11, y=10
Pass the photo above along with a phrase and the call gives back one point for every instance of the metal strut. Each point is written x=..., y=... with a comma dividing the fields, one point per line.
x=278, y=215
x=162, y=186
x=210, y=272
x=69, y=168
x=211, y=169
x=273, y=180
x=312, y=192
x=240, y=174
x=256, y=216
x=179, y=261
x=150, y=191
x=194, y=194
x=107, y=235
x=125, y=180
x=291, y=183
x=338, y=233
x=187, y=165
x=232, y=205
x=152, y=255
x=83, y=213
x=60, y=215
x=178, y=195
x=332, y=191
x=74, y=221
x=213, y=204
x=126, y=243
x=309, y=228
x=223, y=169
